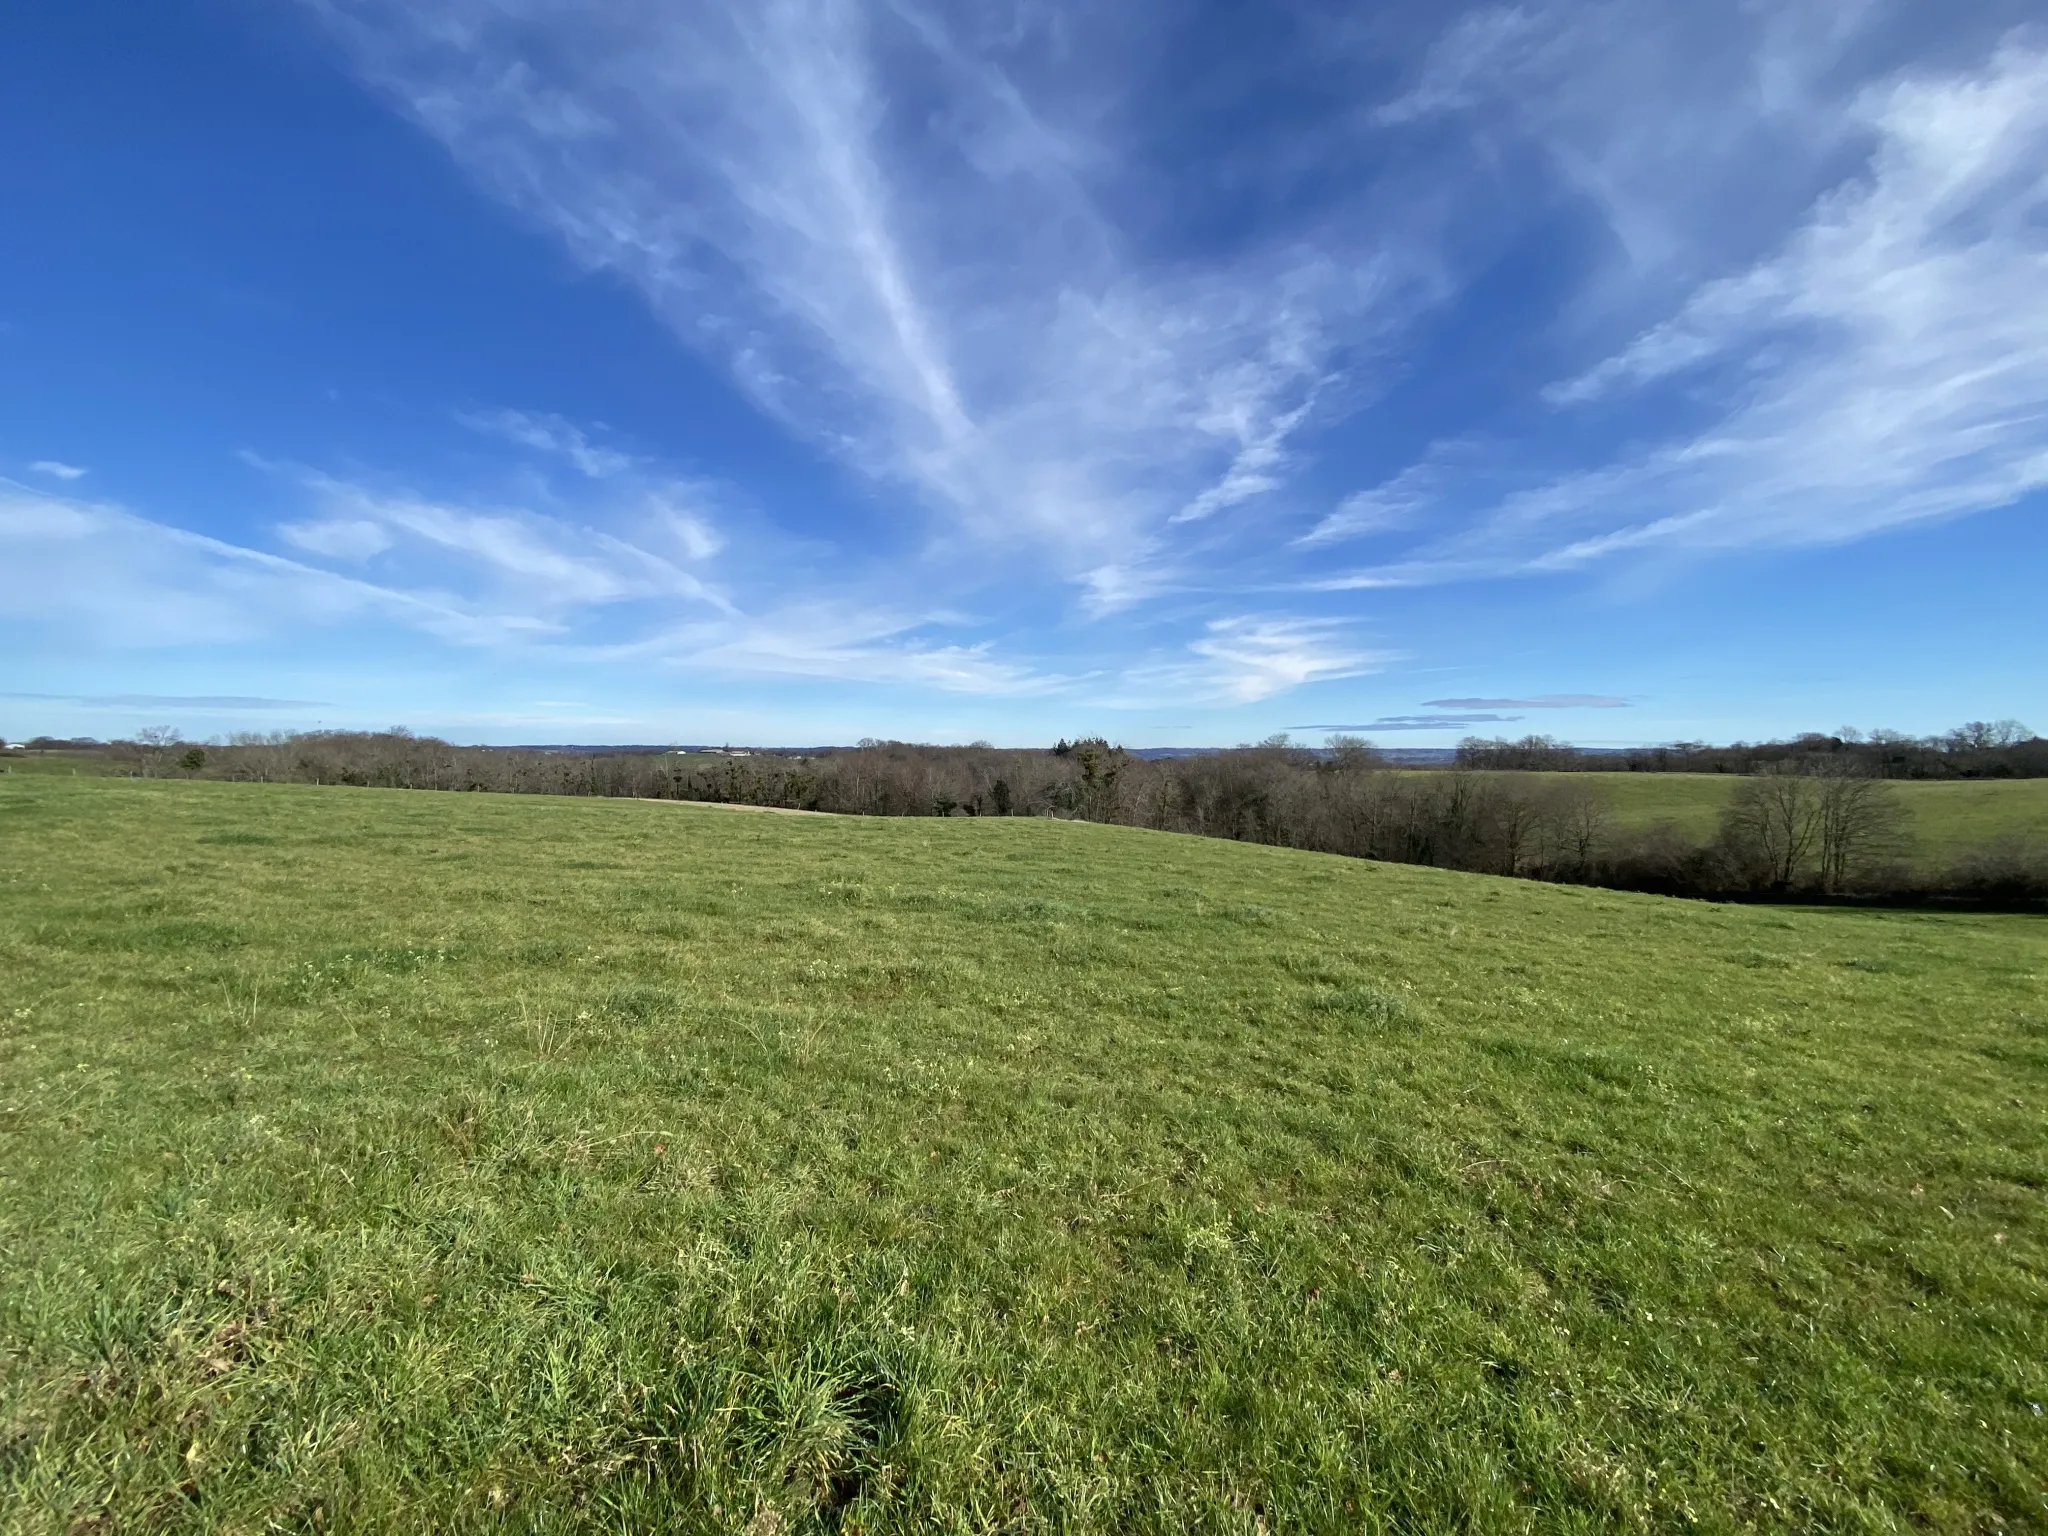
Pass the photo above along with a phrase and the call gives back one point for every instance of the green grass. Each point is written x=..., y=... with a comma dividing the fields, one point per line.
x=1944, y=816
x=384, y=1161
x=61, y=765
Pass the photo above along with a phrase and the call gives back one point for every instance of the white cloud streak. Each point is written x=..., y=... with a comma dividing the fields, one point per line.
x=1399, y=504
x=1887, y=365
x=57, y=469
x=551, y=434
x=233, y=702
x=1414, y=723
x=551, y=566
x=1538, y=701
x=338, y=538
x=1244, y=659
x=839, y=642
x=936, y=295
x=138, y=583
x=133, y=582
x=1691, y=128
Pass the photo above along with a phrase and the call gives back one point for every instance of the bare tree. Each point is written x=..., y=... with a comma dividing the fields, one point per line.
x=1353, y=754
x=1517, y=819
x=1985, y=735
x=1577, y=822
x=1541, y=753
x=1772, y=823
x=1857, y=819
x=154, y=744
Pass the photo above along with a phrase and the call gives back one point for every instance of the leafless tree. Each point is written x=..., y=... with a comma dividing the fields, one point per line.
x=1353, y=754
x=1857, y=819
x=1985, y=735
x=154, y=744
x=1578, y=821
x=1772, y=823
x=1545, y=753
x=1516, y=818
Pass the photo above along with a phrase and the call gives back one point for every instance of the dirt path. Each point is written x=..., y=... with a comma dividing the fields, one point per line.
x=727, y=805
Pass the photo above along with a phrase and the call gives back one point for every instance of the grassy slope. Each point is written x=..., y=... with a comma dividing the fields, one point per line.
x=59, y=766
x=1945, y=814
x=389, y=1161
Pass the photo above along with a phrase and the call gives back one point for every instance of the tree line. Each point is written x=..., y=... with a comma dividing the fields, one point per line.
x=1799, y=826
x=1978, y=749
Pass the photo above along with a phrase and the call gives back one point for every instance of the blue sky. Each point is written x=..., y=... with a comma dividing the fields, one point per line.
x=521, y=370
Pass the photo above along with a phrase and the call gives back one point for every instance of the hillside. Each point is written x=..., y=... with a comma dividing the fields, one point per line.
x=1944, y=816
x=1257, y=795
x=382, y=1160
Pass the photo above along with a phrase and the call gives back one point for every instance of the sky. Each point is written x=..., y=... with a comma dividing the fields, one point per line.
x=804, y=370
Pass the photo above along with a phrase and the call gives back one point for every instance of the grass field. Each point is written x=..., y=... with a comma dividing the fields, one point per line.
x=403, y=1161
x=1943, y=815
x=51, y=765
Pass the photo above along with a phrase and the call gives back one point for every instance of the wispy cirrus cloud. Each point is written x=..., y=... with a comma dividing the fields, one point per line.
x=547, y=564
x=232, y=702
x=57, y=469
x=1082, y=321
x=511, y=579
x=551, y=434
x=1887, y=364
x=947, y=297
x=842, y=642
x=1538, y=701
x=338, y=538
x=1246, y=658
x=955, y=299
x=1414, y=723
x=684, y=509
x=1398, y=505
x=1694, y=130
x=133, y=582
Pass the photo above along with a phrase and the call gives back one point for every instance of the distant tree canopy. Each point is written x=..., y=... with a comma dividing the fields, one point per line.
x=1530, y=753
x=1979, y=749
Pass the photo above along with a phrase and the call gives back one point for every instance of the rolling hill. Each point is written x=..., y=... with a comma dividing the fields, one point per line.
x=391, y=1161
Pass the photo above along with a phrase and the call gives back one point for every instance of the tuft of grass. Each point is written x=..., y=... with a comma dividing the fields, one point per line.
x=1369, y=1006
x=383, y=1162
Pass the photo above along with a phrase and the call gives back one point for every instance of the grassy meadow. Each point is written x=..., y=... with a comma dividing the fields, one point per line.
x=1943, y=816
x=65, y=765
x=388, y=1161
